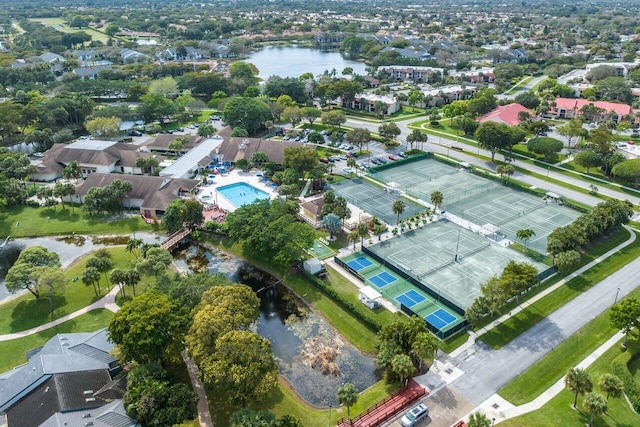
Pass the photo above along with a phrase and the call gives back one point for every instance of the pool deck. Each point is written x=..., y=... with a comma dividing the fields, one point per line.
x=233, y=177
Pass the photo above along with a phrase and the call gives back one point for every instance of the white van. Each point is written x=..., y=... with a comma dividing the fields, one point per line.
x=415, y=415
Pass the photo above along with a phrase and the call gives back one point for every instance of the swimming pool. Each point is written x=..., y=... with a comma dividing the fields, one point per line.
x=241, y=193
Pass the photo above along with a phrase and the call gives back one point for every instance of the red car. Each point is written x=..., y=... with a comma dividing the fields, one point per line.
x=324, y=160
x=392, y=157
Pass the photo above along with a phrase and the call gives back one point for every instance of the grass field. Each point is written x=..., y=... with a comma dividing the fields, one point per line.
x=25, y=312
x=60, y=25
x=25, y=221
x=559, y=408
x=13, y=352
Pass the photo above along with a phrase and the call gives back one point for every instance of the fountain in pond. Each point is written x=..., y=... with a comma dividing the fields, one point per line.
x=311, y=355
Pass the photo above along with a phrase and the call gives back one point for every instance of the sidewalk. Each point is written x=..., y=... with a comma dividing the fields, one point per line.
x=474, y=335
x=499, y=409
x=108, y=302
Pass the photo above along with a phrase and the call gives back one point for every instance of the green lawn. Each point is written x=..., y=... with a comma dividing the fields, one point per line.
x=13, y=353
x=517, y=324
x=25, y=221
x=25, y=312
x=61, y=26
x=519, y=85
x=559, y=408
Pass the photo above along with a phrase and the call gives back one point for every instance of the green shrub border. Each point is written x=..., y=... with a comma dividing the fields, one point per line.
x=620, y=368
x=370, y=323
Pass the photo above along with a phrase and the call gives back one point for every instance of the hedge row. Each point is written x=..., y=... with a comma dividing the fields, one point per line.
x=342, y=302
x=412, y=158
x=619, y=368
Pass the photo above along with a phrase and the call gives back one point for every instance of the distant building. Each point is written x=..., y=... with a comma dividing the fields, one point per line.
x=596, y=111
x=367, y=102
x=622, y=68
x=411, y=73
x=506, y=114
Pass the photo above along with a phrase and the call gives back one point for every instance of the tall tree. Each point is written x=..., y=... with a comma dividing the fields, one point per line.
x=348, y=396
x=625, y=315
x=389, y=131
x=416, y=137
x=494, y=136
x=611, y=385
x=149, y=328
x=26, y=271
x=398, y=207
x=478, y=419
x=572, y=131
x=358, y=137
x=630, y=170
x=595, y=404
x=402, y=366
x=436, y=199
x=332, y=223
x=241, y=368
x=587, y=159
x=424, y=347
x=91, y=276
x=525, y=234
x=578, y=382
x=183, y=213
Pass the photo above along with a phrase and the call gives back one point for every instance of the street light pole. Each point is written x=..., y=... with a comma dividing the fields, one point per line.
x=493, y=422
x=617, y=293
x=330, y=406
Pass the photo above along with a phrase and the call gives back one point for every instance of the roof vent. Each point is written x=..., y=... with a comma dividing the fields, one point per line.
x=88, y=423
x=165, y=182
x=87, y=392
x=86, y=415
x=90, y=399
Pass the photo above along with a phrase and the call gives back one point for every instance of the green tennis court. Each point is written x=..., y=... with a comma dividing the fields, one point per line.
x=320, y=250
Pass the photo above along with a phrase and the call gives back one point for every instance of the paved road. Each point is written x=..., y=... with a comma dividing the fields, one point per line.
x=488, y=370
x=527, y=87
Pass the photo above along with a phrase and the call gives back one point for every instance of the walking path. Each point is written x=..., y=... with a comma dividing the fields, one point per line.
x=474, y=335
x=508, y=410
x=109, y=302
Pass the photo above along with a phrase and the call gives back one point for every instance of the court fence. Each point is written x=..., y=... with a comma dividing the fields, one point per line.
x=435, y=295
x=412, y=158
x=437, y=332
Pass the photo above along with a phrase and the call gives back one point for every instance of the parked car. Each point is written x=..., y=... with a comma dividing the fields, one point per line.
x=323, y=160
x=402, y=154
x=415, y=415
x=383, y=160
x=134, y=133
x=392, y=157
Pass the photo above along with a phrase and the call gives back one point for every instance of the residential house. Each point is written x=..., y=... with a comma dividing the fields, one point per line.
x=129, y=56
x=233, y=149
x=595, y=111
x=411, y=73
x=86, y=55
x=371, y=82
x=189, y=54
x=93, y=156
x=70, y=381
x=91, y=72
x=478, y=75
x=150, y=194
x=507, y=114
x=447, y=94
x=52, y=58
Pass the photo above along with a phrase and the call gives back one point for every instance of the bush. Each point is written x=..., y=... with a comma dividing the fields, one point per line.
x=619, y=367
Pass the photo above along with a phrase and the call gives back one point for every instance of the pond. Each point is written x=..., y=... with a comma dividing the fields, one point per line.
x=311, y=355
x=293, y=61
x=68, y=248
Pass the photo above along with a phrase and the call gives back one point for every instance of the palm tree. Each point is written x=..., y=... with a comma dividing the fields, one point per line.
x=134, y=246
x=525, y=234
x=595, y=405
x=478, y=419
x=348, y=396
x=353, y=237
x=398, y=208
x=402, y=366
x=436, y=199
x=612, y=385
x=91, y=276
x=424, y=347
x=363, y=231
x=378, y=230
x=578, y=381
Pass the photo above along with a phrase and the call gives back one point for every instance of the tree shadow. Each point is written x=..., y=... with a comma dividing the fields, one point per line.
x=31, y=313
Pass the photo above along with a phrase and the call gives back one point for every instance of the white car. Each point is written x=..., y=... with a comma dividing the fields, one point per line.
x=415, y=415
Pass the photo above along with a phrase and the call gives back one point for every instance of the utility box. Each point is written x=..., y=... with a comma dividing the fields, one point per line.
x=370, y=297
x=313, y=266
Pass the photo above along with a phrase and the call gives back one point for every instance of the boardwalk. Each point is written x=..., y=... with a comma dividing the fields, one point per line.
x=175, y=238
x=386, y=408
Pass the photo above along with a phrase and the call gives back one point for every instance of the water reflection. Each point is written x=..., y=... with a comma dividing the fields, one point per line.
x=311, y=355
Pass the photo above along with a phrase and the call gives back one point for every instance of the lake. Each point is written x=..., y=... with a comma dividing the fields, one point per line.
x=292, y=61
